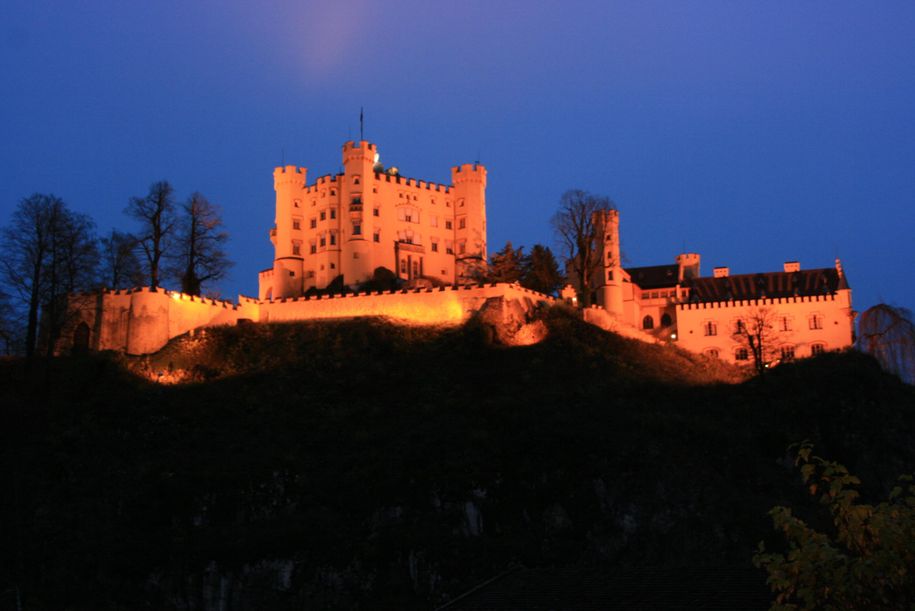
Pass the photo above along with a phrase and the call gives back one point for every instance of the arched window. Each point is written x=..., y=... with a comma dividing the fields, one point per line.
x=81, y=338
x=741, y=354
x=816, y=349
x=648, y=322
x=712, y=353
x=666, y=321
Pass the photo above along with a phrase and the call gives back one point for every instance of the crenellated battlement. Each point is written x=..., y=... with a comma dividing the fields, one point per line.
x=289, y=175
x=765, y=301
x=468, y=172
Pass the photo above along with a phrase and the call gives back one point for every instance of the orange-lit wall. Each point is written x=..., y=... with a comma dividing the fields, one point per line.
x=141, y=321
x=836, y=332
x=354, y=222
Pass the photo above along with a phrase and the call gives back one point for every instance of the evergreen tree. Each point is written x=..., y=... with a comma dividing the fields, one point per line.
x=540, y=271
x=506, y=264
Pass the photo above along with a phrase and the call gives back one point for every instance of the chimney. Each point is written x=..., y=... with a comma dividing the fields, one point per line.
x=721, y=272
x=792, y=266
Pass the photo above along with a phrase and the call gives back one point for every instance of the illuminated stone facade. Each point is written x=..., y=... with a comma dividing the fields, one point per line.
x=347, y=225
x=805, y=311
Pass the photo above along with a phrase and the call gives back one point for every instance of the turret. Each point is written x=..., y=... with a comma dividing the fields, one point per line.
x=688, y=264
x=357, y=200
x=289, y=184
x=611, y=269
x=469, y=197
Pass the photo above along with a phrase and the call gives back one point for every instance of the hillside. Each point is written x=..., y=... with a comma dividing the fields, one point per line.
x=359, y=465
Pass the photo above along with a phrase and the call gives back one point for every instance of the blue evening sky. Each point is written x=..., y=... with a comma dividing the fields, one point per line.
x=750, y=132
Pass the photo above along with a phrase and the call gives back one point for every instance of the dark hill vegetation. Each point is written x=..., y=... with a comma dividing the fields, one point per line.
x=361, y=465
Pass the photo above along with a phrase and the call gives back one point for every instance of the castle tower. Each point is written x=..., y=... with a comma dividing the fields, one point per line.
x=356, y=203
x=688, y=264
x=469, y=199
x=289, y=184
x=611, y=269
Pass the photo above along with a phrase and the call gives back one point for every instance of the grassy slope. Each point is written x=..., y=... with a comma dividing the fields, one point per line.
x=358, y=454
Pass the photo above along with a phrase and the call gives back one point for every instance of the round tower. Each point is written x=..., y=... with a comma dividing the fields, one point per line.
x=611, y=285
x=357, y=222
x=469, y=206
x=289, y=184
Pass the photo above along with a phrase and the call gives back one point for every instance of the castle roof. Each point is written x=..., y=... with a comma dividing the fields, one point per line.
x=803, y=283
x=654, y=276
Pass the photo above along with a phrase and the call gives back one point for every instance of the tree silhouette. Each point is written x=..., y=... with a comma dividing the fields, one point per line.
x=887, y=333
x=200, y=257
x=541, y=271
x=506, y=264
x=156, y=215
x=579, y=229
x=120, y=266
x=758, y=333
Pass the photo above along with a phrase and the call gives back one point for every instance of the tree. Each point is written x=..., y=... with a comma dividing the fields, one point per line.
x=887, y=333
x=120, y=266
x=49, y=253
x=156, y=215
x=200, y=257
x=540, y=271
x=8, y=326
x=864, y=562
x=580, y=231
x=758, y=334
x=506, y=264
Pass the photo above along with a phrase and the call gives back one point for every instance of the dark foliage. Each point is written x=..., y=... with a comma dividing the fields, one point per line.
x=360, y=465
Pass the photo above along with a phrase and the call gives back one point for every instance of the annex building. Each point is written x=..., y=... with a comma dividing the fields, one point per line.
x=795, y=312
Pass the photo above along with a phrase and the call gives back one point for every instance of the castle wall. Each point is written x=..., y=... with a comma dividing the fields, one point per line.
x=443, y=305
x=141, y=321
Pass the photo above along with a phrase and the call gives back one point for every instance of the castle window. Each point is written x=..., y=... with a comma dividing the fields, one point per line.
x=355, y=180
x=816, y=321
x=712, y=353
x=333, y=192
x=817, y=349
x=449, y=247
x=462, y=247
x=433, y=221
x=323, y=215
x=376, y=237
x=355, y=255
x=740, y=327
x=462, y=223
x=648, y=322
x=787, y=353
x=313, y=223
x=374, y=211
x=785, y=324
x=666, y=320
x=296, y=224
x=310, y=273
x=414, y=198
x=333, y=239
x=741, y=354
x=333, y=266
x=323, y=241
x=296, y=249
x=296, y=203
x=448, y=225
x=710, y=328
x=461, y=203
x=374, y=189
x=314, y=203
x=403, y=266
x=357, y=229
x=313, y=249
x=333, y=213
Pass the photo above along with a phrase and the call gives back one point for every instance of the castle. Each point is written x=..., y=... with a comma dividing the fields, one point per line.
x=347, y=225
x=338, y=231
